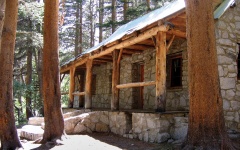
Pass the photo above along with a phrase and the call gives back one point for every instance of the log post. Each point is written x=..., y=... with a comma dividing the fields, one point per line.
x=161, y=72
x=72, y=86
x=88, y=94
x=115, y=80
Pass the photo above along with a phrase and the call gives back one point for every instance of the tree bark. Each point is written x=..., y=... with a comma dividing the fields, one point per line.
x=2, y=15
x=8, y=132
x=53, y=118
x=206, y=129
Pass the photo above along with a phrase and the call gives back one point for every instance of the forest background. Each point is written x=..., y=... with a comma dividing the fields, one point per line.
x=82, y=24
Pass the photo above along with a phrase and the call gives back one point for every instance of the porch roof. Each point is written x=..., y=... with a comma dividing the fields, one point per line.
x=165, y=14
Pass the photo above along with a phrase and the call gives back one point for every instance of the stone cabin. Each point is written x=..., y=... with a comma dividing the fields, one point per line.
x=119, y=74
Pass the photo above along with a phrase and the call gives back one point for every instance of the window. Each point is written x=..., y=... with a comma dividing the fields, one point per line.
x=238, y=63
x=175, y=70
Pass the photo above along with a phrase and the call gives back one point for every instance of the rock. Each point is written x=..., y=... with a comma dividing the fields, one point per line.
x=79, y=128
x=227, y=83
x=170, y=141
x=101, y=127
x=162, y=137
x=35, y=120
x=31, y=132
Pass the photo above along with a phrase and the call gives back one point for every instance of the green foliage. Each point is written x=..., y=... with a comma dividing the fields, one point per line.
x=64, y=88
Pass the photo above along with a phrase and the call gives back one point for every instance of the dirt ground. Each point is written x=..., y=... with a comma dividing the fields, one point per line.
x=104, y=141
x=97, y=141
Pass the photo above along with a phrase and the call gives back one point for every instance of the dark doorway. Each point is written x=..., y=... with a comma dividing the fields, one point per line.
x=138, y=92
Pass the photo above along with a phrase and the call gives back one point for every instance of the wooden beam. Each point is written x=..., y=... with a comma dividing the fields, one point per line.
x=161, y=72
x=170, y=42
x=120, y=56
x=178, y=33
x=131, y=41
x=72, y=86
x=78, y=93
x=136, y=84
x=140, y=47
x=88, y=94
x=115, y=81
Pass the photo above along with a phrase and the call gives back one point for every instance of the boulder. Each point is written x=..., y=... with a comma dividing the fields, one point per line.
x=35, y=121
x=31, y=132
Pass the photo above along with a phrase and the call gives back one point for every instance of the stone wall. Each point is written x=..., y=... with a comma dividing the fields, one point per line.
x=99, y=121
x=151, y=127
x=177, y=98
x=148, y=127
x=227, y=37
x=102, y=96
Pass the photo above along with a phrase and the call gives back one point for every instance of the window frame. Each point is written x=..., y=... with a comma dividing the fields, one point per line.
x=171, y=58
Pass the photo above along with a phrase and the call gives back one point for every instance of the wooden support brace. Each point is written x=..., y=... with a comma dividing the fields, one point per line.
x=161, y=72
x=170, y=42
x=88, y=94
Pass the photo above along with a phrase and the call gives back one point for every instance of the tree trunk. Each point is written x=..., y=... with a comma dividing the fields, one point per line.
x=8, y=132
x=125, y=8
x=53, y=118
x=91, y=23
x=80, y=27
x=77, y=29
x=38, y=61
x=148, y=6
x=206, y=128
x=101, y=3
x=29, y=81
x=2, y=15
x=113, y=16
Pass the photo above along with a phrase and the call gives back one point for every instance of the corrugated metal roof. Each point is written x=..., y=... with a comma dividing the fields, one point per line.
x=141, y=22
x=222, y=8
x=148, y=19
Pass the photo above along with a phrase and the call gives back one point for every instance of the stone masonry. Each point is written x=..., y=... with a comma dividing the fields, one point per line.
x=227, y=37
